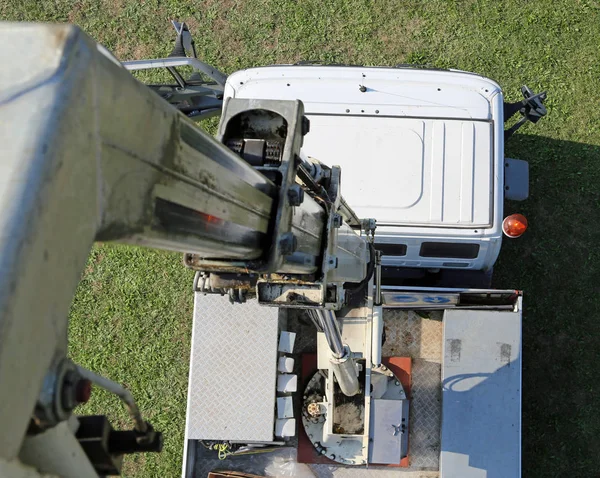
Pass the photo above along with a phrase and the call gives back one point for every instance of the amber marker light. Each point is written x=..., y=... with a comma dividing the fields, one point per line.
x=514, y=225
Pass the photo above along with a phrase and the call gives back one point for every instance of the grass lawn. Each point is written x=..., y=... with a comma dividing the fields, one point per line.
x=131, y=318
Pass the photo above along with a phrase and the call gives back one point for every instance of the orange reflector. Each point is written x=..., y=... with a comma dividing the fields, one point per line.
x=514, y=225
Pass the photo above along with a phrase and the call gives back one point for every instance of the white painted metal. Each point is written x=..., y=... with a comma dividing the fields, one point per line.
x=398, y=92
x=421, y=151
x=445, y=289
x=405, y=171
x=356, y=326
x=352, y=254
x=37, y=238
x=362, y=331
x=16, y=469
x=286, y=342
x=471, y=101
x=389, y=434
x=489, y=246
x=481, y=394
x=353, y=335
x=348, y=449
x=285, y=364
x=57, y=452
x=377, y=335
x=287, y=383
x=285, y=407
x=74, y=165
x=285, y=427
x=345, y=371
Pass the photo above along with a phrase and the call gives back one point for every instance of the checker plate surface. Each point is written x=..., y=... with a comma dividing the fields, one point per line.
x=233, y=370
x=409, y=334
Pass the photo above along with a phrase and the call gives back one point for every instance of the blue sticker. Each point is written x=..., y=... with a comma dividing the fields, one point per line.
x=436, y=299
x=405, y=298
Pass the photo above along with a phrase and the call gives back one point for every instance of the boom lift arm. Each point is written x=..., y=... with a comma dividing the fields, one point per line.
x=91, y=154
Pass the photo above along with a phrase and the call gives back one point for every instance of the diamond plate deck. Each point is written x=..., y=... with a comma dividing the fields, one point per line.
x=419, y=336
x=232, y=347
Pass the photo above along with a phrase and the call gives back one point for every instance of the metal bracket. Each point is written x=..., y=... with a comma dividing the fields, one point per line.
x=105, y=446
x=516, y=179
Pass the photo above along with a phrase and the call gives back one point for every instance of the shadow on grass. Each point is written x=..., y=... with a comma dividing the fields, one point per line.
x=557, y=264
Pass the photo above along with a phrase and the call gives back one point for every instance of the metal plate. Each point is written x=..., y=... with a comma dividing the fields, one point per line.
x=425, y=416
x=233, y=368
x=326, y=471
x=481, y=426
x=389, y=419
x=409, y=334
x=419, y=299
x=516, y=179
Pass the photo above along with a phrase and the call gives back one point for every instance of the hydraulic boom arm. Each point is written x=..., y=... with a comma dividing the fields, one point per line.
x=90, y=154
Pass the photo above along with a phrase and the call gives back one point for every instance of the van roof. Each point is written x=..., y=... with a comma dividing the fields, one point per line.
x=415, y=146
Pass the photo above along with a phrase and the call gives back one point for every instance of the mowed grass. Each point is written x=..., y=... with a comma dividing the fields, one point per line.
x=131, y=318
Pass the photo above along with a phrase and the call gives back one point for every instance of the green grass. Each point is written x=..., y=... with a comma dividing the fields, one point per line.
x=131, y=317
x=130, y=321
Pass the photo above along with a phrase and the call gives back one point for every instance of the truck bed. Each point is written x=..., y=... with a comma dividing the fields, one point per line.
x=440, y=346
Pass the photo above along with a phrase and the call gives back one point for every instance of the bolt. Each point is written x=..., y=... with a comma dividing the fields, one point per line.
x=362, y=88
x=314, y=410
x=397, y=383
x=83, y=390
x=75, y=390
x=288, y=243
x=295, y=195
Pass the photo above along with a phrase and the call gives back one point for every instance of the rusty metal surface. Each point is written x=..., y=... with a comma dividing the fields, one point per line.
x=419, y=336
x=412, y=334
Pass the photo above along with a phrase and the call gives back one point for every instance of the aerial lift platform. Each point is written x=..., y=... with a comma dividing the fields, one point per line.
x=348, y=326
